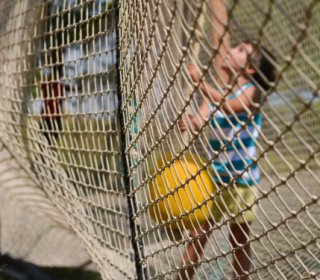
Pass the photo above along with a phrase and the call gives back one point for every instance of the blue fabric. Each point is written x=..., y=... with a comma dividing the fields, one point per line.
x=233, y=144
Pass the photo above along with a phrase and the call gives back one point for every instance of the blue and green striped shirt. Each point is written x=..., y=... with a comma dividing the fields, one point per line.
x=233, y=144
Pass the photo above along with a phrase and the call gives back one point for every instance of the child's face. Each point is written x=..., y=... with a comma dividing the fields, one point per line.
x=237, y=58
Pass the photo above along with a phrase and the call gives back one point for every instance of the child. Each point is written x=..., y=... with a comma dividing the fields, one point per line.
x=248, y=70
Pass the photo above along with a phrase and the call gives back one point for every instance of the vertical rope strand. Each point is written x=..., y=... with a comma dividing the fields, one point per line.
x=125, y=159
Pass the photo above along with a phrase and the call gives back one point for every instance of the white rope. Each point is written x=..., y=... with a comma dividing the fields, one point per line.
x=60, y=131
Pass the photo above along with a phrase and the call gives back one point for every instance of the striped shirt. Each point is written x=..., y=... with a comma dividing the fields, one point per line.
x=233, y=144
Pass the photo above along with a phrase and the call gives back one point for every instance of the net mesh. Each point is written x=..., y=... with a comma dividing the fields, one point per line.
x=94, y=98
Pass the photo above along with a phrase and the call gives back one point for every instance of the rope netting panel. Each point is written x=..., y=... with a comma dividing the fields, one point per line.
x=178, y=139
x=58, y=118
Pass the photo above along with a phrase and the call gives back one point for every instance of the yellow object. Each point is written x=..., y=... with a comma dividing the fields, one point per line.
x=180, y=195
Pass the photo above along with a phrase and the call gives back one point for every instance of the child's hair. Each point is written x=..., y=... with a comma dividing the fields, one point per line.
x=263, y=63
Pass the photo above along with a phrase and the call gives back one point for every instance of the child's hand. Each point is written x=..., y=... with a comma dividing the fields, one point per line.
x=188, y=123
x=194, y=73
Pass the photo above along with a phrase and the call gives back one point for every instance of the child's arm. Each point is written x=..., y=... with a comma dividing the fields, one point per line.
x=239, y=104
x=193, y=123
x=221, y=38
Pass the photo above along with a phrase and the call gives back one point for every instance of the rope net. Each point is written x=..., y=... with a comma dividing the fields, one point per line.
x=175, y=139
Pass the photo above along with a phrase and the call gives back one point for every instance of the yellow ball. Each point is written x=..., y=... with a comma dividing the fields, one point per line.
x=177, y=198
